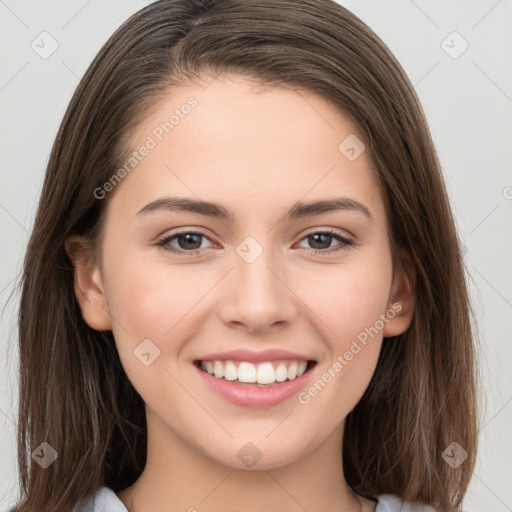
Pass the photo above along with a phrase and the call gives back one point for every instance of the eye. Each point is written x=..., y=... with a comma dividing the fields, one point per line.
x=321, y=240
x=189, y=242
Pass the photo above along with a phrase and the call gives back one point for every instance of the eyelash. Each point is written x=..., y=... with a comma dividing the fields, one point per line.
x=345, y=242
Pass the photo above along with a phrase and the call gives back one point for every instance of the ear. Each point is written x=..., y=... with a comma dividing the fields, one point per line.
x=401, y=297
x=88, y=284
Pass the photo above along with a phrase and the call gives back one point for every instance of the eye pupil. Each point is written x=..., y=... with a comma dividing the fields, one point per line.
x=315, y=237
x=189, y=239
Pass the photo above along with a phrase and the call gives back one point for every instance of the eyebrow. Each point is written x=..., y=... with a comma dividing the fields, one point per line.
x=298, y=210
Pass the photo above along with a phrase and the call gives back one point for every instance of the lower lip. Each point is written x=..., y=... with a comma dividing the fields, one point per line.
x=254, y=396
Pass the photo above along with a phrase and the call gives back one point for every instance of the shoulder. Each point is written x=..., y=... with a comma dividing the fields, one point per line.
x=392, y=503
x=104, y=500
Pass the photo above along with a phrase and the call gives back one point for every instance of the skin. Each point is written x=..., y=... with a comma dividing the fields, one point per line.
x=256, y=151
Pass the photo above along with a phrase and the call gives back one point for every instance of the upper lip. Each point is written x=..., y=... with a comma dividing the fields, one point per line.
x=254, y=357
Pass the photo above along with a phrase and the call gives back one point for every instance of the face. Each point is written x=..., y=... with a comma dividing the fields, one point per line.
x=273, y=286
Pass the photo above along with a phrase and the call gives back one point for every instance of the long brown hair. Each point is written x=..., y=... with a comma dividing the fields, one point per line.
x=74, y=394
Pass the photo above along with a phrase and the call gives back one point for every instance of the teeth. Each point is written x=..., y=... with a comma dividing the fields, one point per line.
x=292, y=371
x=281, y=373
x=218, y=369
x=262, y=373
x=266, y=374
x=230, y=371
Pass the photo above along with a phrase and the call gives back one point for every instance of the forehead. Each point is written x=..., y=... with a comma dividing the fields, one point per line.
x=250, y=113
x=234, y=142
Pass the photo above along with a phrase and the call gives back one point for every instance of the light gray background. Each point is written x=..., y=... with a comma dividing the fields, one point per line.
x=468, y=102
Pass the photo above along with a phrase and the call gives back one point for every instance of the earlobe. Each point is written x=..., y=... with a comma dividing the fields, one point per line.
x=402, y=299
x=88, y=283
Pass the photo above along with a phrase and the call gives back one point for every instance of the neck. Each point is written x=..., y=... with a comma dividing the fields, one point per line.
x=177, y=476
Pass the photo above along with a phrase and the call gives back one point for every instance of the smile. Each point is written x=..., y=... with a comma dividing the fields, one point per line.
x=257, y=384
x=264, y=373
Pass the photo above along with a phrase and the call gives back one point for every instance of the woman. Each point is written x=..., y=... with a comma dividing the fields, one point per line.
x=263, y=369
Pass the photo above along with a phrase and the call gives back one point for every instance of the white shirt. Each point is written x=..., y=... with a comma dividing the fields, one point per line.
x=106, y=500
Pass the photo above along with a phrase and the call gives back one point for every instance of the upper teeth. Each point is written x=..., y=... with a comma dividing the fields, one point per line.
x=262, y=373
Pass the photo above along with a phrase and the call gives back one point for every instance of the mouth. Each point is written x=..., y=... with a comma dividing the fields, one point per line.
x=262, y=374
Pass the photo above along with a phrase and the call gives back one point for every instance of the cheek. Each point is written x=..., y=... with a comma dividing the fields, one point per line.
x=144, y=305
x=347, y=299
x=147, y=295
x=156, y=324
x=349, y=303
x=147, y=303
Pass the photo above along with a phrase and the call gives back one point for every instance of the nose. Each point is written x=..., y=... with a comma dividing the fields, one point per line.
x=258, y=296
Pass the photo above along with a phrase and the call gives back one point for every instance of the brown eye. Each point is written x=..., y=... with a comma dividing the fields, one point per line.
x=320, y=242
x=187, y=242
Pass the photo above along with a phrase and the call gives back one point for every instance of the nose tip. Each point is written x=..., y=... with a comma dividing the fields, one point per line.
x=258, y=298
